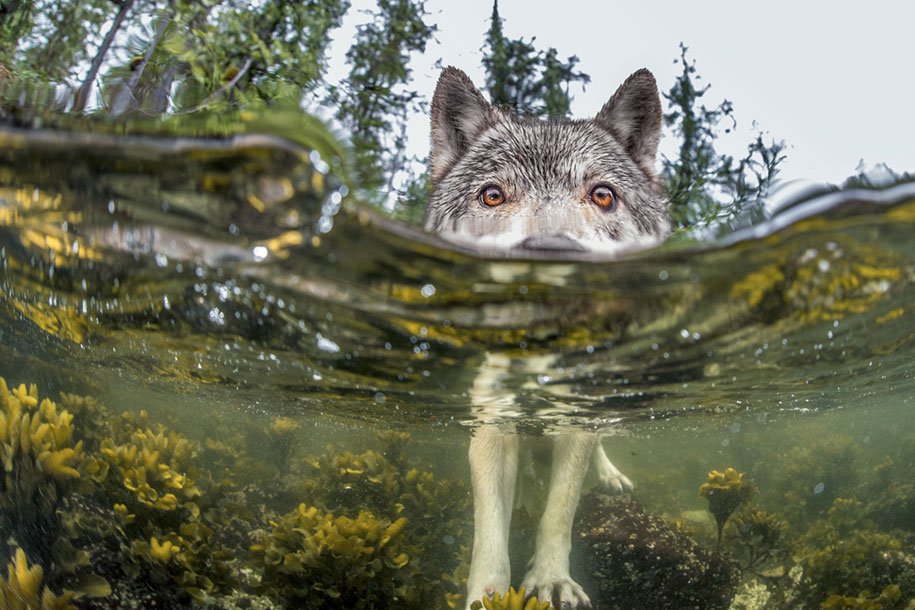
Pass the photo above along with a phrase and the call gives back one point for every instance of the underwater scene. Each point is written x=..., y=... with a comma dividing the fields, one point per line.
x=228, y=384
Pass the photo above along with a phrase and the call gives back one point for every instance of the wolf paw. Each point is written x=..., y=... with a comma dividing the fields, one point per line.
x=610, y=477
x=563, y=592
x=615, y=481
x=487, y=583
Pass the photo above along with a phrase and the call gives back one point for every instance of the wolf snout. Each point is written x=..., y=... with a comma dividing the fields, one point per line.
x=553, y=242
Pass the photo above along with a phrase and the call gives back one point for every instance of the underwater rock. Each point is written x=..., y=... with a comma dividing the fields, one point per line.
x=628, y=558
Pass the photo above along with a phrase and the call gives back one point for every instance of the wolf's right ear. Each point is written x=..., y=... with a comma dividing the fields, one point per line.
x=460, y=113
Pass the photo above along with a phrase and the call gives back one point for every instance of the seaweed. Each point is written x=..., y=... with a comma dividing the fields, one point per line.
x=511, y=600
x=725, y=492
x=316, y=559
x=761, y=538
x=93, y=497
x=812, y=476
x=152, y=487
x=850, y=566
x=40, y=464
x=386, y=484
x=43, y=464
x=22, y=588
x=863, y=601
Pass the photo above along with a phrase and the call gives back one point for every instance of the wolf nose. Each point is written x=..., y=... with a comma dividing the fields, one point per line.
x=551, y=242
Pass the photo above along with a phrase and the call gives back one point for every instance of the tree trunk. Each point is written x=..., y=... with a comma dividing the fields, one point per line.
x=82, y=95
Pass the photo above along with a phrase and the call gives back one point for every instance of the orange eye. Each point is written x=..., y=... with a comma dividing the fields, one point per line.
x=602, y=196
x=491, y=196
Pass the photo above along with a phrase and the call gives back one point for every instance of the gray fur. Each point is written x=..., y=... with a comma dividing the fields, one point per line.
x=546, y=169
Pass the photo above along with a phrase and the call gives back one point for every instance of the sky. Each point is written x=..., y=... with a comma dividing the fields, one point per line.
x=834, y=80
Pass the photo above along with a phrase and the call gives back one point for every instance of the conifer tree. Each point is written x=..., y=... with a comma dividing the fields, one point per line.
x=375, y=99
x=709, y=190
x=523, y=79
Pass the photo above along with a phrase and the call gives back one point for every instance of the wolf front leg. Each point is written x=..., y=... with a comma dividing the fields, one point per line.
x=549, y=571
x=493, y=471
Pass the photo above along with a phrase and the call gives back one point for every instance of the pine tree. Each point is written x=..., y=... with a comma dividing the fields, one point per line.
x=709, y=190
x=523, y=79
x=374, y=101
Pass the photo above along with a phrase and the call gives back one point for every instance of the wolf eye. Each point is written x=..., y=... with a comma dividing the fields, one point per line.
x=491, y=196
x=602, y=196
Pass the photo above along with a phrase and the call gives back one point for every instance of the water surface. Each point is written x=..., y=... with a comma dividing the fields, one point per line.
x=236, y=291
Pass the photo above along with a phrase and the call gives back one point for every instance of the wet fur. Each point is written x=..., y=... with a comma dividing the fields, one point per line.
x=546, y=170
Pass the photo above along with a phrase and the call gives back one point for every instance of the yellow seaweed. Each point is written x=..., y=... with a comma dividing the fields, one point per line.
x=22, y=588
x=511, y=600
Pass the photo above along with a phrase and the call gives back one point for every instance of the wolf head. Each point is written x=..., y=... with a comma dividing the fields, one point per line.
x=504, y=182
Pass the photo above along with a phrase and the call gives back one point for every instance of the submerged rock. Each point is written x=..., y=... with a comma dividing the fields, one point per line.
x=631, y=559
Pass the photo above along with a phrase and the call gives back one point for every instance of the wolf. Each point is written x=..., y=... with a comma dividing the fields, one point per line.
x=522, y=186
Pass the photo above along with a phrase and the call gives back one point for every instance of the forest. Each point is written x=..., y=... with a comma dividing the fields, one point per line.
x=117, y=59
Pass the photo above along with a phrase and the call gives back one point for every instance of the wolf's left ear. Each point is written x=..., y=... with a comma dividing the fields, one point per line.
x=460, y=113
x=633, y=116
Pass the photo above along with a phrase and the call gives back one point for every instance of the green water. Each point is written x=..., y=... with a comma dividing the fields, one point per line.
x=236, y=293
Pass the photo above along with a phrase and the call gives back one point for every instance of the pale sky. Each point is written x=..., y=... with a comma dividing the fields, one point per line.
x=835, y=79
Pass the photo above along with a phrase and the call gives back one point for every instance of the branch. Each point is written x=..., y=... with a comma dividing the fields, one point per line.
x=126, y=95
x=229, y=85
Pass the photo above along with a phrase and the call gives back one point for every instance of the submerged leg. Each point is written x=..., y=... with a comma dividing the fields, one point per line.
x=549, y=571
x=493, y=471
x=610, y=477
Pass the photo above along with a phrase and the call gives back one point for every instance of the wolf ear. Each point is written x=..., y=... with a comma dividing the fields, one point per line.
x=633, y=116
x=460, y=113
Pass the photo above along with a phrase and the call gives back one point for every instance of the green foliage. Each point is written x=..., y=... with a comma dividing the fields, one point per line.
x=244, y=53
x=15, y=20
x=60, y=38
x=374, y=100
x=525, y=80
x=156, y=58
x=709, y=190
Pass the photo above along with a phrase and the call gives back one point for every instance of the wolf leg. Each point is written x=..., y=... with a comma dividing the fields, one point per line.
x=549, y=571
x=493, y=471
x=610, y=477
